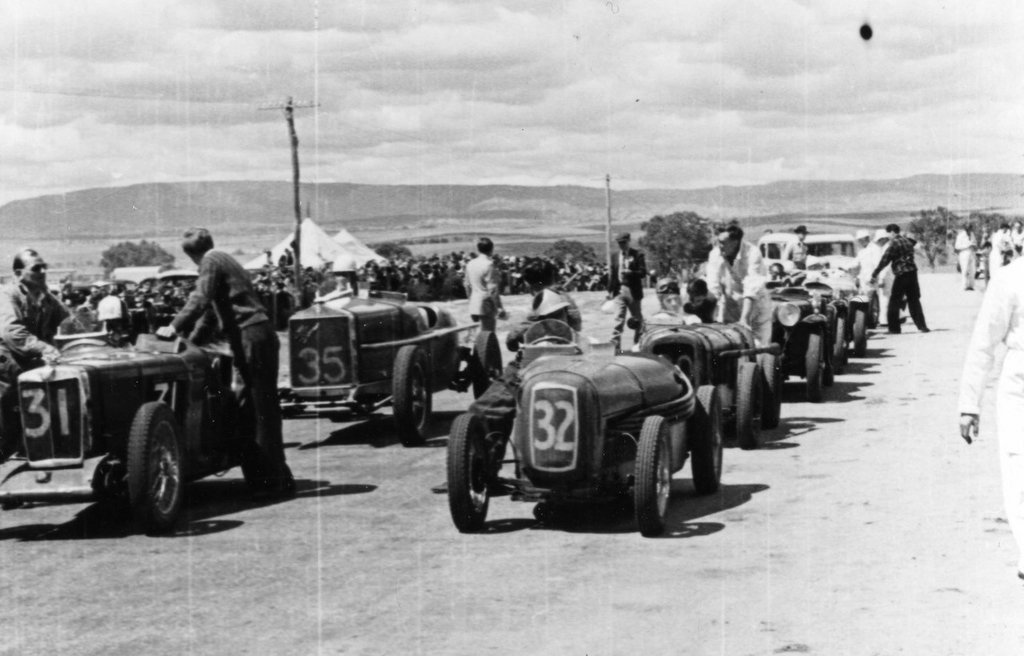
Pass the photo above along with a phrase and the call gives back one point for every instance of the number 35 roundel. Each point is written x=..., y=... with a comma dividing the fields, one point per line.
x=554, y=427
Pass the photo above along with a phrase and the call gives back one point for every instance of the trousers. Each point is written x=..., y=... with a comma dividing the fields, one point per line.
x=626, y=302
x=967, y=267
x=905, y=285
x=257, y=359
x=1009, y=419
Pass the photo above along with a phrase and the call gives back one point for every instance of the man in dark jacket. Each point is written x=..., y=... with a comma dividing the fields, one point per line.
x=900, y=254
x=626, y=287
x=226, y=289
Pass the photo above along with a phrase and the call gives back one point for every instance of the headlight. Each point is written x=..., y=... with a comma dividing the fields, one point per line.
x=788, y=314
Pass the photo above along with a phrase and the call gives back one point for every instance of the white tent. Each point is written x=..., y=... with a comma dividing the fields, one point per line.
x=317, y=248
x=357, y=249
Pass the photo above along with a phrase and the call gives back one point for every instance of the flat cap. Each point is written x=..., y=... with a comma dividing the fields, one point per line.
x=622, y=236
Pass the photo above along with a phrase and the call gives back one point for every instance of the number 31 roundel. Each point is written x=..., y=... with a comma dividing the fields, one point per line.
x=553, y=425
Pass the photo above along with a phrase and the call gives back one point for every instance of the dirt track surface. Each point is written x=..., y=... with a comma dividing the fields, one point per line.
x=864, y=527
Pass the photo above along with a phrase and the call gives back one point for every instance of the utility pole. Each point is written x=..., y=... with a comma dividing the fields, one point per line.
x=608, y=225
x=289, y=107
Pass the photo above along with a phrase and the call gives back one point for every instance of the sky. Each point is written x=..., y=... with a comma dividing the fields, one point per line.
x=658, y=94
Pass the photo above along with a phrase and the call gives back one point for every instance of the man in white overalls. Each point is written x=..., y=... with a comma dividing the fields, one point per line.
x=1001, y=321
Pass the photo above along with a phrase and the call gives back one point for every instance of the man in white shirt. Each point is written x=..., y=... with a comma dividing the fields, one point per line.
x=966, y=249
x=483, y=285
x=729, y=263
x=797, y=251
x=1000, y=321
x=1002, y=249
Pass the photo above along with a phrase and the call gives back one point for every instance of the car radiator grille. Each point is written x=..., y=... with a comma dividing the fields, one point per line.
x=51, y=420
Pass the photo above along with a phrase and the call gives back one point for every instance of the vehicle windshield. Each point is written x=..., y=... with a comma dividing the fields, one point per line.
x=771, y=250
x=831, y=248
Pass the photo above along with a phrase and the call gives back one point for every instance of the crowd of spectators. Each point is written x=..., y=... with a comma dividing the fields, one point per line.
x=152, y=303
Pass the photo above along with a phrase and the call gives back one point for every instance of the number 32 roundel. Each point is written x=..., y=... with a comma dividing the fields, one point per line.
x=554, y=429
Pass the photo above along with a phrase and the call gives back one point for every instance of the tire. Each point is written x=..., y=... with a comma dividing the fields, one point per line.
x=653, y=476
x=469, y=473
x=860, y=333
x=839, y=346
x=814, y=367
x=706, y=441
x=156, y=477
x=771, y=403
x=875, y=313
x=727, y=402
x=486, y=363
x=411, y=396
x=748, y=405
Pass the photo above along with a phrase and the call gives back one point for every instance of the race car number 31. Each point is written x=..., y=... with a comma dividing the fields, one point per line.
x=554, y=427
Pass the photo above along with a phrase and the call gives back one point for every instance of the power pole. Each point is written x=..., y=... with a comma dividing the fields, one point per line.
x=289, y=107
x=608, y=225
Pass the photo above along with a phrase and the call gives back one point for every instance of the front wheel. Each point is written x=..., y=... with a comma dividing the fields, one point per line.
x=748, y=405
x=469, y=473
x=705, y=439
x=410, y=390
x=653, y=476
x=771, y=405
x=839, y=346
x=814, y=367
x=860, y=333
x=155, y=473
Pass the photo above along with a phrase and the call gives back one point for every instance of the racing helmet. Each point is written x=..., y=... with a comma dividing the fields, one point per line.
x=548, y=303
x=109, y=308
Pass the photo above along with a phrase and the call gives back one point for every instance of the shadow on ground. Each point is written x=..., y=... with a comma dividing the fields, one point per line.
x=206, y=503
x=380, y=431
x=685, y=506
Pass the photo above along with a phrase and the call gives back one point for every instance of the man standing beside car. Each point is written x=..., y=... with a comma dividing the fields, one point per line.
x=483, y=285
x=626, y=287
x=797, y=251
x=729, y=264
x=225, y=288
x=900, y=254
x=29, y=318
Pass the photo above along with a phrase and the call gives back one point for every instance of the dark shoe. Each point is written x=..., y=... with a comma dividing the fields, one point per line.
x=1020, y=575
x=894, y=332
x=924, y=330
x=440, y=489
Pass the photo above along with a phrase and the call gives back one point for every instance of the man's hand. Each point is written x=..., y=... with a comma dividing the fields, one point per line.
x=166, y=332
x=873, y=280
x=968, y=427
x=502, y=314
x=51, y=355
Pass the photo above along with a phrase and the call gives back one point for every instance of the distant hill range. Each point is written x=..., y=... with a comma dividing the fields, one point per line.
x=161, y=210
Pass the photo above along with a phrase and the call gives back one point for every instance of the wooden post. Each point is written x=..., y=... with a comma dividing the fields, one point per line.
x=608, y=226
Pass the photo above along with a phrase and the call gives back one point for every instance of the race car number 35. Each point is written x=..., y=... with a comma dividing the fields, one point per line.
x=554, y=427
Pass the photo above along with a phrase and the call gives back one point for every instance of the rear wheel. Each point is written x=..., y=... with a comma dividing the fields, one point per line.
x=771, y=404
x=839, y=345
x=653, y=476
x=874, y=315
x=411, y=395
x=860, y=333
x=486, y=363
x=705, y=438
x=748, y=405
x=469, y=473
x=814, y=367
x=156, y=476
x=727, y=401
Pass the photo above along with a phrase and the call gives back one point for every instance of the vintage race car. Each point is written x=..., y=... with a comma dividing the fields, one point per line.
x=802, y=325
x=363, y=354
x=590, y=424
x=748, y=377
x=141, y=421
x=862, y=305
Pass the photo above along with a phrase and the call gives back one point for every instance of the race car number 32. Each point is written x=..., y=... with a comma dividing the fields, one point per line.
x=554, y=429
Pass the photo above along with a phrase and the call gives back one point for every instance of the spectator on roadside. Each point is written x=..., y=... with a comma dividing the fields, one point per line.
x=625, y=287
x=483, y=285
x=797, y=251
x=966, y=251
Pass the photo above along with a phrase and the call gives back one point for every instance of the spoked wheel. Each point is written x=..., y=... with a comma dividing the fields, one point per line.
x=860, y=333
x=653, y=476
x=155, y=474
x=411, y=395
x=705, y=438
x=771, y=404
x=469, y=473
x=814, y=367
x=748, y=405
x=486, y=363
